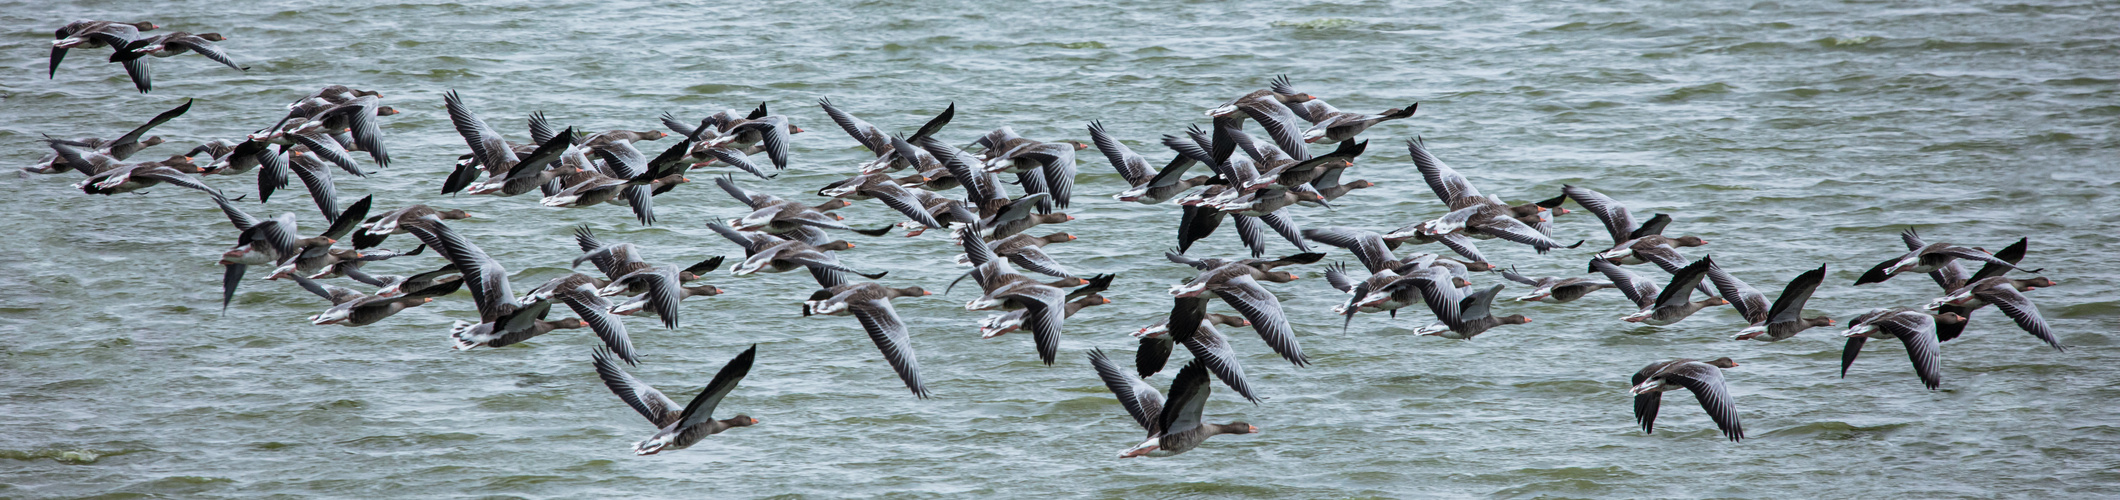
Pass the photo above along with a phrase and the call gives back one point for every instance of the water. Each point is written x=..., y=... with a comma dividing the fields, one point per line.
x=1789, y=134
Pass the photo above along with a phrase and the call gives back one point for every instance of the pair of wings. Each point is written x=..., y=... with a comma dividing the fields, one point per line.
x=1705, y=381
x=1159, y=415
x=659, y=409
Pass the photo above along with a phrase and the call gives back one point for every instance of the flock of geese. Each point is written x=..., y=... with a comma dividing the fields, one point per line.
x=1250, y=182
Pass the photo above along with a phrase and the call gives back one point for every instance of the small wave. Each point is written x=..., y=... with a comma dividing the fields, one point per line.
x=1833, y=430
x=1545, y=489
x=1690, y=92
x=1844, y=41
x=1622, y=26
x=1328, y=23
x=69, y=457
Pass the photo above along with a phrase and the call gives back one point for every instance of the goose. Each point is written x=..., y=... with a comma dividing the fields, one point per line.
x=1330, y=125
x=1041, y=167
x=503, y=319
x=318, y=260
x=1157, y=343
x=1461, y=317
x=1162, y=326
x=1331, y=188
x=1002, y=324
x=507, y=174
x=1173, y=425
x=1390, y=289
x=663, y=292
x=2008, y=295
x=646, y=303
x=405, y=285
x=870, y=303
x=263, y=242
x=120, y=148
x=1915, y=329
x=375, y=229
x=615, y=260
x=882, y=187
x=775, y=215
x=942, y=209
x=1951, y=277
x=1448, y=185
x=1489, y=220
x=760, y=130
x=633, y=180
x=705, y=155
x=1705, y=380
x=231, y=157
x=1269, y=107
x=166, y=45
x=325, y=97
x=767, y=253
x=350, y=263
x=1557, y=290
x=1148, y=188
x=890, y=157
x=677, y=428
x=1237, y=283
x=1200, y=216
x=1026, y=251
x=999, y=216
x=1417, y=233
x=1662, y=306
x=1044, y=307
x=1205, y=343
x=1780, y=321
x=609, y=137
x=112, y=176
x=317, y=141
x=1928, y=258
x=1632, y=243
x=358, y=118
x=352, y=308
x=88, y=34
x=658, y=289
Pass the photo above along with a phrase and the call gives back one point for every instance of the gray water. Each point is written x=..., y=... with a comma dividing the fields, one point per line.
x=1789, y=134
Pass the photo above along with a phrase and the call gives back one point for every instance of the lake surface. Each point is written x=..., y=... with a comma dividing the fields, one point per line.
x=1789, y=134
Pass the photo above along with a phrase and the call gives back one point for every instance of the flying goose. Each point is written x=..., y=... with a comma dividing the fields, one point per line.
x=1659, y=306
x=870, y=303
x=1928, y=258
x=1173, y=425
x=677, y=428
x=1705, y=380
x=1915, y=329
x=1780, y=321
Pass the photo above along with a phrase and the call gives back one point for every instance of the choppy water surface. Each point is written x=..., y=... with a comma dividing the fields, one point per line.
x=1789, y=134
